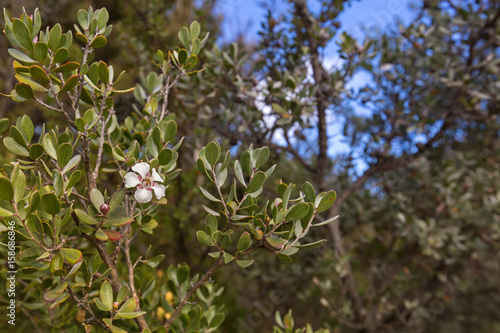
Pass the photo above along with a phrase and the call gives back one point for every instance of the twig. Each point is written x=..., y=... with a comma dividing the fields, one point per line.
x=194, y=287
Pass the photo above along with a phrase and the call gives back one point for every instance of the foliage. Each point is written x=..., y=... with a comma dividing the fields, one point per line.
x=75, y=237
x=412, y=241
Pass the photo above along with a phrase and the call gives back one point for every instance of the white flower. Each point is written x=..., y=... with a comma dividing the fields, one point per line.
x=146, y=183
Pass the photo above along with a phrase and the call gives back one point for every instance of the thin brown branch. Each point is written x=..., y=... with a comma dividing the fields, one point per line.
x=322, y=94
x=194, y=287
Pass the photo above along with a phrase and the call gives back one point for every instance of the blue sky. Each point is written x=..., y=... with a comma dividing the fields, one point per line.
x=243, y=17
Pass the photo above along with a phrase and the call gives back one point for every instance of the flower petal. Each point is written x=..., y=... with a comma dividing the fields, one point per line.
x=131, y=180
x=141, y=168
x=159, y=191
x=143, y=195
x=156, y=176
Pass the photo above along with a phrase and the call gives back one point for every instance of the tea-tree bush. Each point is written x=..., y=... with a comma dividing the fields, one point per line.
x=77, y=195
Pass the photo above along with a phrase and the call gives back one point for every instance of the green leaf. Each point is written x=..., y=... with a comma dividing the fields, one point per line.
x=50, y=203
x=85, y=218
x=311, y=245
x=24, y=91
x=203, y=238
x=18, y=180
x=184, y=37
x=101, y=235
x=73, y=162
x=203, y=169
x=246, y=163
x=6, y=190
x=114, y=329
x=49, y=145
x=34, y=85
x=244, y=241
x=15, y=147
x=83, y=18
x=81, y=37
x=28, y=128
x=208, y=195
x=129, y=306
x=304, y=221
x=103, y=72
x=297, y=211
x=37, y=73
x=56, y=264
x=61, y=55
x=165, y=156
x=97, y=198
x=21, y=56
x=226, y=240
x=69, y=84
x=129, y=315
x=238, y=171
x=244, y=263
x=58, y=301
x=117, y=199
x=122, y=294
x=120, y=221
x=22, y=34
x=256, y=183
x=106, y=294
x=151, y=145
x=326, y=221
x=278, y=108
x=262, y=156
x=118, y=154
x=74, y=179
x=67, y=67
x=58, y=183
x=71, y=255
x=212, y=152
x=195, y=46
x=64, y=154
x=194, y=30
x=217, y=320
x=327, y=201
x=183, y=272
x=227, y=258
x=309, y=192
x=102, y=18
x=100, y=305
x=182, y=56
x=276, y=242
x=34, y=201
x=17, y=135
x=54, y=37
x=283, y=257
x=4, y=124
x=4, y=213
x=98, y=42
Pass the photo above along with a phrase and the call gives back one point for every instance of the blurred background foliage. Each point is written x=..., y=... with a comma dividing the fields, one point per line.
x=417, y=243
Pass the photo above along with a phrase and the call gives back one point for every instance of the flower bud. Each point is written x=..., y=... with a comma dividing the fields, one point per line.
x=169, y=297
x=160, y=313
x=104, y=208
x=116, y=305
x=168, y=315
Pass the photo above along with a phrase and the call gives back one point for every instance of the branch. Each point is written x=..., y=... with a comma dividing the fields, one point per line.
x=202, y=281
x=82, y=304
x=322, y=94
x=126, y=250
x=104, y=123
